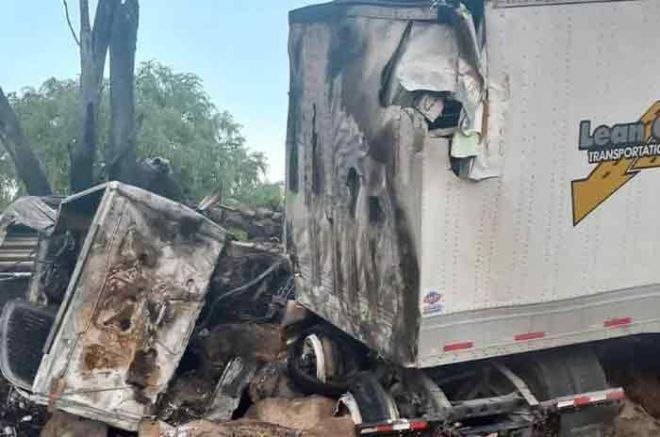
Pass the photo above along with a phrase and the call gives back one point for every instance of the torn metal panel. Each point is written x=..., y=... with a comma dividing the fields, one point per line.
x=430, y=106
x=131, y=304
x=227, y=396
x=21, y=225
x=438, y=61
x=421, y=64
x=24, y=225
x=30, y=212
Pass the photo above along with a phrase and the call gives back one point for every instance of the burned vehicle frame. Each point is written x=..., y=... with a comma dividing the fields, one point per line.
x=124, y=276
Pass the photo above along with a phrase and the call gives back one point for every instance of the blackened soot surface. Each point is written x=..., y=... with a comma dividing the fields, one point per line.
x=404, y=338
x=142, y=370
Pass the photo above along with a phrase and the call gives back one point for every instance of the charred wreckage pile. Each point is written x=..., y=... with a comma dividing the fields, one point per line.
x=125, y=312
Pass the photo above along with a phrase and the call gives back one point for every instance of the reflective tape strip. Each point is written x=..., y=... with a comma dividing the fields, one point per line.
x=564, y=404
x=612, y=395
x=458, y=346
x=401, y=425
x=583, y=400
x=529, y=336
x=617, y=395
x=616, y=323
x=419, y=426
x=385, y=428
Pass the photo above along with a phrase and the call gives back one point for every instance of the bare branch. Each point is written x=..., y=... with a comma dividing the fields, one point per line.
x=68, y=20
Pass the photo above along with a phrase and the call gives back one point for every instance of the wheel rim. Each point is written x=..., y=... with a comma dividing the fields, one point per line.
x=313, y=357
x=348, y=401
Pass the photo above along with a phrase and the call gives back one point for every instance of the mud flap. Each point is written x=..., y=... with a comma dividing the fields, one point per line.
x=564, y=372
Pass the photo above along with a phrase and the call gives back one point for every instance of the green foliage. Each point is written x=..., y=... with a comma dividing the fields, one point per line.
x=175, y=120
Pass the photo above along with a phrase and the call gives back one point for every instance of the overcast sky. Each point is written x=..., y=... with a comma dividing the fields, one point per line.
x=238, y=48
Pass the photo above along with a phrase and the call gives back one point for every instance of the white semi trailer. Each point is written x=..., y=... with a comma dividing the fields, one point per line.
x=472, y=195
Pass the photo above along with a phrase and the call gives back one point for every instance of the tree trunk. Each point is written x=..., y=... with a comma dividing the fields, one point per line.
x=27, y=165
x=93, y=50
x=121, y=154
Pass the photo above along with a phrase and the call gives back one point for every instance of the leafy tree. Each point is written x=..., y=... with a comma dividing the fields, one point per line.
x=176, y=120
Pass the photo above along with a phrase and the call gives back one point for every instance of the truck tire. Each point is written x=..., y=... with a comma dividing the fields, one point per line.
x=342, y=357
x=563, y=372
x=373, y=401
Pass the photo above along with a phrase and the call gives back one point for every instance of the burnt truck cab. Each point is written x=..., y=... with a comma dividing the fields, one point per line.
x=121, y=280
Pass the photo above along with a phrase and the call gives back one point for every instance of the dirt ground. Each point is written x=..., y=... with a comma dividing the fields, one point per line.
x=634, y=421
x=634, y=365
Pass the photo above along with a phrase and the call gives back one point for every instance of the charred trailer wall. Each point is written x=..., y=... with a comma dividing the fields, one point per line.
x=354, y=174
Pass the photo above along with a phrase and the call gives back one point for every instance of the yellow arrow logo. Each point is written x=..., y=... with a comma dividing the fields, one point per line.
x=609, y=176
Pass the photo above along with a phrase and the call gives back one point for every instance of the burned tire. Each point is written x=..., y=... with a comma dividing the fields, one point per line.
x=374, y=403
x=341, y=361
x=564, y=372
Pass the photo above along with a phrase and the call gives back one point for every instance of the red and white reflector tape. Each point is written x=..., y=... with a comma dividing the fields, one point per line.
x=529, y=336
x=618, y=323
x=395, y=426
x=597, y=397
x=455, y=347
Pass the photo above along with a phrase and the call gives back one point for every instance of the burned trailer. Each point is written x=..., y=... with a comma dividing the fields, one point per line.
x=124, y=277
x=443, y=210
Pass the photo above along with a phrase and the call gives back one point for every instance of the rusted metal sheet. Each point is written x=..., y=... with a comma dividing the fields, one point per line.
x=131, y=304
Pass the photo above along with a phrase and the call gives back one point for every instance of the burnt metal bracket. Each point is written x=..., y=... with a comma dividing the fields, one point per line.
x=518, y=383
